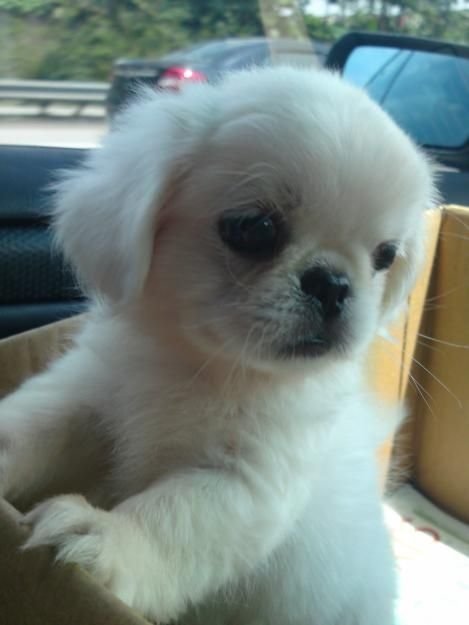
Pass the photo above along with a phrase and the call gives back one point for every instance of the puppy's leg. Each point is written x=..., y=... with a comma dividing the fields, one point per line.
x=309, y=582
x=46, y=430
x=171, y=545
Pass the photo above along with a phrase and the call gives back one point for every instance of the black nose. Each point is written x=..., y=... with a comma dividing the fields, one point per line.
x=329, y=289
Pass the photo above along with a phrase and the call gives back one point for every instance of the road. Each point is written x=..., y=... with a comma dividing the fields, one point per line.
x=52, y=131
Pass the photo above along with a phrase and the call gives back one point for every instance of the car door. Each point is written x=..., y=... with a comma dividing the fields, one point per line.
x=36, y=286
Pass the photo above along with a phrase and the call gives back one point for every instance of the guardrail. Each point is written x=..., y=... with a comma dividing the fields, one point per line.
x=44, y=93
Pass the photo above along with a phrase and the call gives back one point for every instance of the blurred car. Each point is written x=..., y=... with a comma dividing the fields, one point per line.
x=207, y=62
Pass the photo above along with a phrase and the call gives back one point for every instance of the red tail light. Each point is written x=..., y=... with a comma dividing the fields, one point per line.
x=175, y=77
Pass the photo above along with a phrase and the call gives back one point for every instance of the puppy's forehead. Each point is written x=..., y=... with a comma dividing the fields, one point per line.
x=312, y=145
x=307, y=157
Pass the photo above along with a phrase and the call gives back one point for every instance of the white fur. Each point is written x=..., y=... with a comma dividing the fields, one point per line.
x=223, y=484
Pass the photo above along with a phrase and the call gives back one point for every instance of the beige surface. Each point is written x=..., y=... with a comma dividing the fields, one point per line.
x=441, y=434
x=33, y=589
x=25, y=354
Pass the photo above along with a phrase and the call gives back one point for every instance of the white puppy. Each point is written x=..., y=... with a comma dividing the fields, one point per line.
x=243, y=243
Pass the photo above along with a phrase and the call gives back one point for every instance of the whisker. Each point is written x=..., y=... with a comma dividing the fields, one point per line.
x=420, y=389
x=238, y=360
x=207, y=362
x=433, y=307
x=442, y=342
x=444, y=294
x=442, y=384
x=205, y=323
x=459, y=220
x=236, y=280
x=420, y=392
x=432, y=348
x=453, y=235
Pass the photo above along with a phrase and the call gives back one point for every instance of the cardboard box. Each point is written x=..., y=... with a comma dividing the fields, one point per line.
x=428, y=366
x=34, y=591
x=440, y=434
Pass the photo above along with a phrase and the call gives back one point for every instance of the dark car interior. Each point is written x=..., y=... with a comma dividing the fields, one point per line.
x=36, y=287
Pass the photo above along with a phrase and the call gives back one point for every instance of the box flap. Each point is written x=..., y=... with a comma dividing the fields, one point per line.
x=36, y=591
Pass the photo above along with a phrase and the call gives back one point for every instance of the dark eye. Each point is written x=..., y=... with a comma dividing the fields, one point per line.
x=384, y=255
x=252, y=232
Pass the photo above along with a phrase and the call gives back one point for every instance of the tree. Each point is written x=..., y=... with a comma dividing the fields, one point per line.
x=83, y=37
x=223, y=18
x=27, y=7
x=80, y=39
x=282, y=18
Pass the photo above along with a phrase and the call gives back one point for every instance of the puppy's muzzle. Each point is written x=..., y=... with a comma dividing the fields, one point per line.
x=328, y=290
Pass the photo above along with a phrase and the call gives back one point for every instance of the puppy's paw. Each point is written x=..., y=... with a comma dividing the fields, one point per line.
x=96, y=540
x=78, y=532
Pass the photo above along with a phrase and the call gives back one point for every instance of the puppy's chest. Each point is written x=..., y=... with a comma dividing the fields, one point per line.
x=159, y=438
x=270, y=435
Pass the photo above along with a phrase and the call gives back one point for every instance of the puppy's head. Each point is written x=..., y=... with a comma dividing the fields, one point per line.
x=275, y=218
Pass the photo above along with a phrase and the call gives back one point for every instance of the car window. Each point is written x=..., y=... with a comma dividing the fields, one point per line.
x=210, y=51
x=429, y=97
x=369, y=64
x=297, y=59
x=244, y=57
x=426, y=93
x=189, y=50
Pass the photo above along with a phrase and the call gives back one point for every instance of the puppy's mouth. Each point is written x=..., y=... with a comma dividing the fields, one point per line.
x=306, y=348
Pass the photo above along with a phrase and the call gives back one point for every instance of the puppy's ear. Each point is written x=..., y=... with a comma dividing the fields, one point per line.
x=408, y=263
x=106, y=212
x=402, y=277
